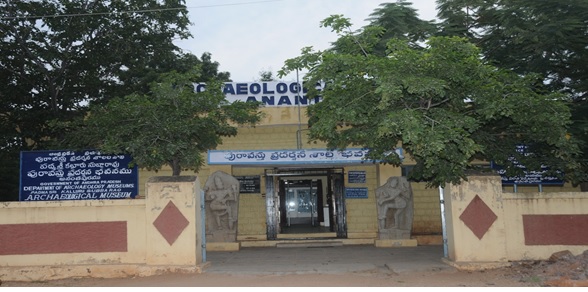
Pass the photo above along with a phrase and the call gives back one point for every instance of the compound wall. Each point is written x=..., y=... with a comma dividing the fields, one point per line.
x=104, y=238
x=484, y=224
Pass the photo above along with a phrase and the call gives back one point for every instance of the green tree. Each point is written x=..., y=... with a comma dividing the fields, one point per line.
x=391, y=20
x=442, y=104
x=399, y=20
x=141, y=79
x=459, y=18
x=579, y=130
x=60, y=55
x=548, y=38
x=172, y=125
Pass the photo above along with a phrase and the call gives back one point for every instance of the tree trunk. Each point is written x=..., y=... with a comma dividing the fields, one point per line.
x=176, y=167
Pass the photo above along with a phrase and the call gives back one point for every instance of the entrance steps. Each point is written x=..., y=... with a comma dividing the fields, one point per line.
x=309, y=243
x=323, y=239
x=318, y=235
x=318, y=240
x=306, y=242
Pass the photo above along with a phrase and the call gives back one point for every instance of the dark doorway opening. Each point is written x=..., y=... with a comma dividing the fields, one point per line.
x=302, y=206
x=307, y=202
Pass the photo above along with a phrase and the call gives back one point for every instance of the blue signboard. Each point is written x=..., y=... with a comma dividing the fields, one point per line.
x=356, y=177
x=529, y=177
x=69, y=175
x=356, y=193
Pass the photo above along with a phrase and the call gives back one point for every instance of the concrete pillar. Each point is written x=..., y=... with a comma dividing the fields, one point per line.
x=475, y=223
x=173, y=218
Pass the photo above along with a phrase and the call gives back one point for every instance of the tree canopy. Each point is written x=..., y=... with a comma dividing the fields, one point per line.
x=548, y=38
x=444, y=105
x=171, y=125
x=60, y=56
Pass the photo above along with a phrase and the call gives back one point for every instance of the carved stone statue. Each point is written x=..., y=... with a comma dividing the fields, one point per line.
x=221, y=193
x=395, y=208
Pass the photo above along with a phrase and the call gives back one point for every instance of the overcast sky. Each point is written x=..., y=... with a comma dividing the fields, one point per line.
x=250, y=36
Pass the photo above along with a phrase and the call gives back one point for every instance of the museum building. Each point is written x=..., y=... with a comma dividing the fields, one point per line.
x=289, y=188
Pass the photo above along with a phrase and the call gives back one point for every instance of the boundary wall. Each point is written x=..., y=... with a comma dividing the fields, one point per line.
x=41, y=241
x=52, y=240
x=484, y=225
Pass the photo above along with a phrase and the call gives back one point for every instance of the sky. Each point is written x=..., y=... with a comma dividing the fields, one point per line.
x=247, y=37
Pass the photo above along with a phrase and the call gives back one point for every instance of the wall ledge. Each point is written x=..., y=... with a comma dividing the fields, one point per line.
x=476, y=266
x=545, y=195
x=50, y=273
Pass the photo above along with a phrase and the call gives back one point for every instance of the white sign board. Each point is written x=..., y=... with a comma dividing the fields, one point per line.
x=297, y=156
x=270, y=93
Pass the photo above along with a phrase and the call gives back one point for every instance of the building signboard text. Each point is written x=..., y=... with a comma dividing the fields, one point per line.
x=69, y=175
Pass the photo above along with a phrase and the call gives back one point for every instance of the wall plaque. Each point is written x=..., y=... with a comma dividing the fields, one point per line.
x=356, y=193
x=249, y=184
x=356, y=177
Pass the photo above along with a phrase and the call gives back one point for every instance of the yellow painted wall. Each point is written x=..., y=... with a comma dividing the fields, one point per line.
x=285, y=115
x=517, y=204
x=148, y=252
x=131, y=211
x=504, y=240
x=427, y=210
x=362, y=216
x=252, y=210
x=567, y=187
x=268, y=137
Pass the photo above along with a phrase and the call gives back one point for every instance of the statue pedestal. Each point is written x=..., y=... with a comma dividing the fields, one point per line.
x=221, y=236
x=395, y=242
x=394, y=234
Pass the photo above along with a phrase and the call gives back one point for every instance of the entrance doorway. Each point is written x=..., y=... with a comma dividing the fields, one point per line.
x=302, y=207
x=305, y=201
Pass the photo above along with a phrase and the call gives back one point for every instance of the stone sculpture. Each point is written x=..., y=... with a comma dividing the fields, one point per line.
x=395, y=208
x=221, y=193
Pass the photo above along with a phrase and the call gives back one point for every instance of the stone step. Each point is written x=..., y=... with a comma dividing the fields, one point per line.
x=310, y=243
x=318, y=235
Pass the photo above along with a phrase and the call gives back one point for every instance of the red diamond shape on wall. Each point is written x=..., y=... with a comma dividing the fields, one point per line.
x=171, y=223
x=478, y=217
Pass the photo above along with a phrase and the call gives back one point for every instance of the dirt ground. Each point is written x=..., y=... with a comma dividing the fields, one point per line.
x=562, y=269
x=494, y=278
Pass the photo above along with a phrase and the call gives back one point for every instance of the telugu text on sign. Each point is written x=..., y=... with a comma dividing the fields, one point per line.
x=69, y=175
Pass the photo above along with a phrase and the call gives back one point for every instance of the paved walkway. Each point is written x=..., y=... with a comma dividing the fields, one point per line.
x=336, y=266
x=337, y=259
